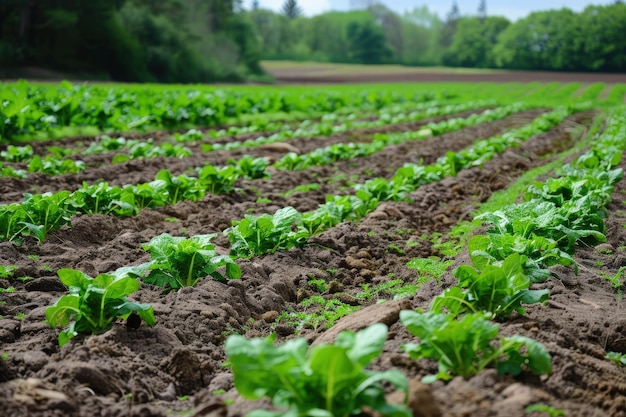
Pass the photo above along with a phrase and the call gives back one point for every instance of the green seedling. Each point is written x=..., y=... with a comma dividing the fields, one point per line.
x=93, y=304
x=180, y=262
x=467, y=345
x=325, y=380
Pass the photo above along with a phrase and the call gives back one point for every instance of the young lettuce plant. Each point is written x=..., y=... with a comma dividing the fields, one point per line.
x=180, y=262
x=258, y=235
x=324, y=381
x=93, y=304
x=497, y=289
x=467, y=345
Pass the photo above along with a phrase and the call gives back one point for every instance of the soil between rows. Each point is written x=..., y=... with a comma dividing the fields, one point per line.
x=182, y=355
x=100, y=168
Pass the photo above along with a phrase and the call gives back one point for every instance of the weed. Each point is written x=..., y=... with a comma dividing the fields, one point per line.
x=6, y=271
x=427, y=268
x=543, y=408
x=396, y=249
x=615, y=279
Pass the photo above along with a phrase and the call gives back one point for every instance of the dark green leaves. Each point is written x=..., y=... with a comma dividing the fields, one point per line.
x=93, y=304
x=469, y=344
x=331, y=380
x=180, y=262
x=499, y=290
x=254, y=235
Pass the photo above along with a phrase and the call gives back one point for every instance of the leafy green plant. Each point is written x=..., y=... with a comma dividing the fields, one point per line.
x=52, y=166
x=42, y=213
x=543, y=408
x=6, y=271
x=326, y=380
x=93, y=304
x=180, y=262
x=17, y=153
x=467, y=345
x=217, y=180
x=617, y=357
x=257, y=235
x=105, y=199
x=250, y=167
x=539, y=252
x=497, y=289
x=179, y=188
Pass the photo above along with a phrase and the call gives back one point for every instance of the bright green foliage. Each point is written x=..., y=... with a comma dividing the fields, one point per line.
x=565, y=225
x=93, y=304
x=319, y=310
x=217, y=180
x=543, y=408
x=179, y=262
x=105, y=199
x=9, y=171
x=617, y=357
x=6, y=271
x=52, y=166
x=326, y=381
x=180, y=187
x=429, y=267
x=538, y=252
x=42, y=213
x=257, y=235
x=467, y=345
x=497, y=289
x=250, y=168
x=17, y=153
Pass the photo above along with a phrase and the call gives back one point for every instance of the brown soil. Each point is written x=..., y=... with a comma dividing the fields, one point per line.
x=303, y=76
x=143, y=372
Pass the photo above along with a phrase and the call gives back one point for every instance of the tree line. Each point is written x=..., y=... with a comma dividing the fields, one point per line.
x=218, y=40
x=131, y=40
x=559, y=40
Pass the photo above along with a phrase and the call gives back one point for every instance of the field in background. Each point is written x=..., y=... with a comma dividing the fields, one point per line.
x=315, y=72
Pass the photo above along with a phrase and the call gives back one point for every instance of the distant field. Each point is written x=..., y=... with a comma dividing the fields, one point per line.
x=317, y=72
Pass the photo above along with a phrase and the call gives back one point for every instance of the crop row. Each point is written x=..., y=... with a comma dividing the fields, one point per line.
x=27, y=109
x=42, y=213
x=134, y=149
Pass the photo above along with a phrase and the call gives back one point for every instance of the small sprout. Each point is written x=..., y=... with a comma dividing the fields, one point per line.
x=543, y=408
x=617, y=357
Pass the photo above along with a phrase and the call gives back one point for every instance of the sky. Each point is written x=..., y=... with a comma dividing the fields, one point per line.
x=512, y=10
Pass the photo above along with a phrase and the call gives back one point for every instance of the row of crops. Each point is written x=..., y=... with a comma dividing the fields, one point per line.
x=460, y=329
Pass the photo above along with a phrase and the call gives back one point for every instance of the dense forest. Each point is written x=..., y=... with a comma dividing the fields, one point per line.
x=215, y=40
x=559, y=40
x=131, y=40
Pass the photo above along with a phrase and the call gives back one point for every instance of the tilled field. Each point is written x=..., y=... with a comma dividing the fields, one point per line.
x=177, y=367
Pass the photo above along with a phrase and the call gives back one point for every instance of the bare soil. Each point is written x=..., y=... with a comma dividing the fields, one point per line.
x=301, y=75
x=175, y=368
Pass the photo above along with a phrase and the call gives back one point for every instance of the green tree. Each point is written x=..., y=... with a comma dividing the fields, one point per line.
x=291, y=9
x=474, y=41
x=549, y=40
x=422, y=29
x=604, y=40
x=367, y=43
